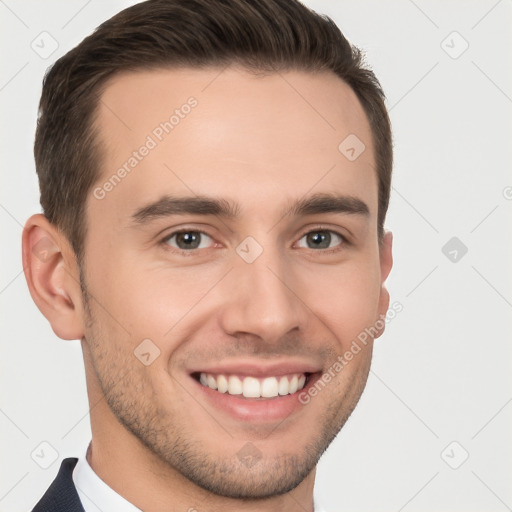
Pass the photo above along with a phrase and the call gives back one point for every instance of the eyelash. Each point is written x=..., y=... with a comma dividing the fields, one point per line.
x=191, y=252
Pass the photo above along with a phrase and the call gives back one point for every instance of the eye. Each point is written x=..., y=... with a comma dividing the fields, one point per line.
x=322, y=239
x=187, y=240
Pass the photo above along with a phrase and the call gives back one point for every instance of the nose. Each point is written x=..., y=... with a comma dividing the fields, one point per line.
x=262, y=299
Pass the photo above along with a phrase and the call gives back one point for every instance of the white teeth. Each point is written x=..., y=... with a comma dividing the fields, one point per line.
x=252, y=387
x=234, y=385
x=269, y=387
x=212, y=383
x=283, y=386
x=222, y=383
x=293, y=384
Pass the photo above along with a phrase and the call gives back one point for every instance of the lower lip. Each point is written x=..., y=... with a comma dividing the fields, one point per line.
x=255, y=410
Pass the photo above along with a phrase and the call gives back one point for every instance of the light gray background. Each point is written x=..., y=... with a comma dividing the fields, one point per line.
x=442, y=371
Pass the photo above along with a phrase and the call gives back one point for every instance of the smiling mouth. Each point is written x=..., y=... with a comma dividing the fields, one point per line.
x=254, y=387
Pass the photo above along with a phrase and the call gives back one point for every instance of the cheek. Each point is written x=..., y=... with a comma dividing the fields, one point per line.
x=344, y=298
x=154, y=300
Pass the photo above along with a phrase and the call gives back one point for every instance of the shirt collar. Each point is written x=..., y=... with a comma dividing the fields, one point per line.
x=94, y=493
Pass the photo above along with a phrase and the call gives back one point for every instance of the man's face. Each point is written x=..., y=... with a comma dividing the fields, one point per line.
x=261, y=302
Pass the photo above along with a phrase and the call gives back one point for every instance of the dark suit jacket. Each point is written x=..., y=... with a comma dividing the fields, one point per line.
x=61, y=496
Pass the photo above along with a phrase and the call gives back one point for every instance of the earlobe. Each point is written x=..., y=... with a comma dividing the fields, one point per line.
x=386, y=263
x=52, y=277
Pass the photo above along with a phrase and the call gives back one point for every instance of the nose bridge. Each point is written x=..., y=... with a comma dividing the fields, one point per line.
x=262, y=301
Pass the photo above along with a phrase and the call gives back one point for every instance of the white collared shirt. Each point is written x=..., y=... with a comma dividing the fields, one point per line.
x=97, y=496
x=94, y=493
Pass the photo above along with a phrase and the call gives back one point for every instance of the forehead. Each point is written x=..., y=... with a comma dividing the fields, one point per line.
x=229, y=132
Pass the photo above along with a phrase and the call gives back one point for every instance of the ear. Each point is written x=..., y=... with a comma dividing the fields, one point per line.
x=386, y=262
x=52, y=276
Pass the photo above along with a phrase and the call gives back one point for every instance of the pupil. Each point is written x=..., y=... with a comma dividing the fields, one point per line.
x=321, y=238
x=190, y=240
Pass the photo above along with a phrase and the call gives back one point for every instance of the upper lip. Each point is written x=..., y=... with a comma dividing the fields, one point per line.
x=258, y=369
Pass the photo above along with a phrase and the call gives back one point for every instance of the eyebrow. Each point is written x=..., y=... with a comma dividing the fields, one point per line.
x=205, y=205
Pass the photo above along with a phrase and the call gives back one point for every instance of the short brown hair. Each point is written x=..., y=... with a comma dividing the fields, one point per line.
x=262, y=35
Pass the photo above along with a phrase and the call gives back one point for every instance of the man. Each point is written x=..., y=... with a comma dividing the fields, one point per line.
x=214, y=178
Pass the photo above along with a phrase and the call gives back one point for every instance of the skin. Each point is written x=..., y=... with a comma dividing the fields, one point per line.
x=156, y=440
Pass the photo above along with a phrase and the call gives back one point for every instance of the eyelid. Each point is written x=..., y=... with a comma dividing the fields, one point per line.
x=167, y=237
x=345, y=239
x=310, y=229
x=321, y=227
